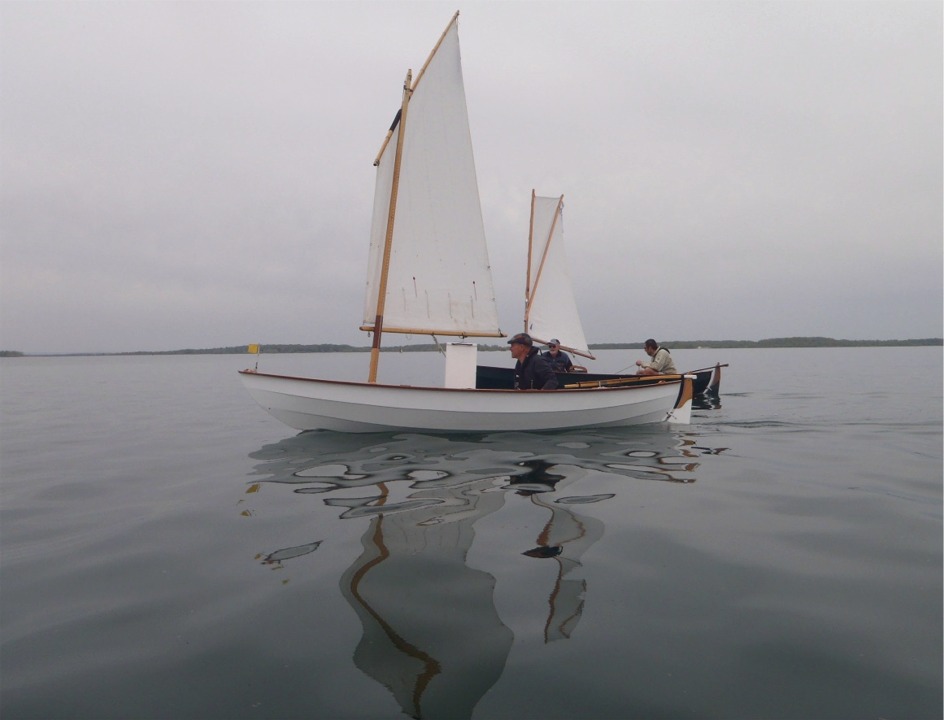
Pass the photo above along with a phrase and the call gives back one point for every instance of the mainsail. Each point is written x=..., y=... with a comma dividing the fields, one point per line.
x=437, y=278
x=550, y=307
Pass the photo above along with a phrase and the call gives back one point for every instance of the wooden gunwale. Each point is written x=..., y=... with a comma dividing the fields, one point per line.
x=670, y=379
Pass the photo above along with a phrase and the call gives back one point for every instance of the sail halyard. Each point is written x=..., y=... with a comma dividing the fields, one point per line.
x=550, y=307
x=433, y=276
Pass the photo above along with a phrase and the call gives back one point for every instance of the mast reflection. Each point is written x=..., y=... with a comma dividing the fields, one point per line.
x=565, y=537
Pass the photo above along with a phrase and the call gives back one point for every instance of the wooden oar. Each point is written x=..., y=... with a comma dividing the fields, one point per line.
x=631, y=379
x=610, y=382
x=708, y=368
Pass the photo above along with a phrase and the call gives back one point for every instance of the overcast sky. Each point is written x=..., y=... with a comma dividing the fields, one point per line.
x=191, y=175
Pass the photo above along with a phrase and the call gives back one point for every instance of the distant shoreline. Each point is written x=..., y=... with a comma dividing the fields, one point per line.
x=791, y=342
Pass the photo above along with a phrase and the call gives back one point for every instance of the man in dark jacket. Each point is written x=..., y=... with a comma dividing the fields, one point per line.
x=532, y=371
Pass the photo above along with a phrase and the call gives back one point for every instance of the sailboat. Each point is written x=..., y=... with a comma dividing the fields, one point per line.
x=550, y=309
x=428, y=273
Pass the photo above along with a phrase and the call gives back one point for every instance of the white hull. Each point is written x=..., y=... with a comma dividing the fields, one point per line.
x=311, y=404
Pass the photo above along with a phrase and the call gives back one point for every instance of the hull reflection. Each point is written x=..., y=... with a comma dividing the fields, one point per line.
x=431, y=633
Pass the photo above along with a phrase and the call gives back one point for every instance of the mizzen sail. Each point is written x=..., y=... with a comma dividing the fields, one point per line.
x=550, y=307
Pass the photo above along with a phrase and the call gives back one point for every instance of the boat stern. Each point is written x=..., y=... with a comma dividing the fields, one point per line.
x=682, y=412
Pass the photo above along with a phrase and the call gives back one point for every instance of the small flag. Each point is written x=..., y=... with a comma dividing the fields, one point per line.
x=254, y=348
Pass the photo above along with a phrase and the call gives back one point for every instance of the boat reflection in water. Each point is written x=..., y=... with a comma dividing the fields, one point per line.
x=710, y=399
x=431, y=631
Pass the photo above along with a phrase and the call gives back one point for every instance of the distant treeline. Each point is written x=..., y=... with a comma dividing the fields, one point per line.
x=788, y=342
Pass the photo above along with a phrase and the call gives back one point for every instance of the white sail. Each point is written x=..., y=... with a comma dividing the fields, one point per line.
x=551, y=310
x=439, y=279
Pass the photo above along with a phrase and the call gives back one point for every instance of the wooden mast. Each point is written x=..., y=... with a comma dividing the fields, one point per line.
x=388, y=240
x=527, y=280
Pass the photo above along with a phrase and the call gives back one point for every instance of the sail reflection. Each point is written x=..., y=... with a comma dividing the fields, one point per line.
x=564, y=538
x=431, y=633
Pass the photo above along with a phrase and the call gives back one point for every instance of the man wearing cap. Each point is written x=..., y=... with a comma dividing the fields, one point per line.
x=557, y=358
x=532, y=371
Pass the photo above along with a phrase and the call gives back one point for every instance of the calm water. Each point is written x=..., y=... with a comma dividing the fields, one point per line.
x=171, y=551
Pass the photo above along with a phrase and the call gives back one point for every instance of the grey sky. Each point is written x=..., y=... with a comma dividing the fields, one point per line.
x=200, y=174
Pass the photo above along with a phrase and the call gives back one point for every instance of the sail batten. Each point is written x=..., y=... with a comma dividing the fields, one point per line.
x=437, y=267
